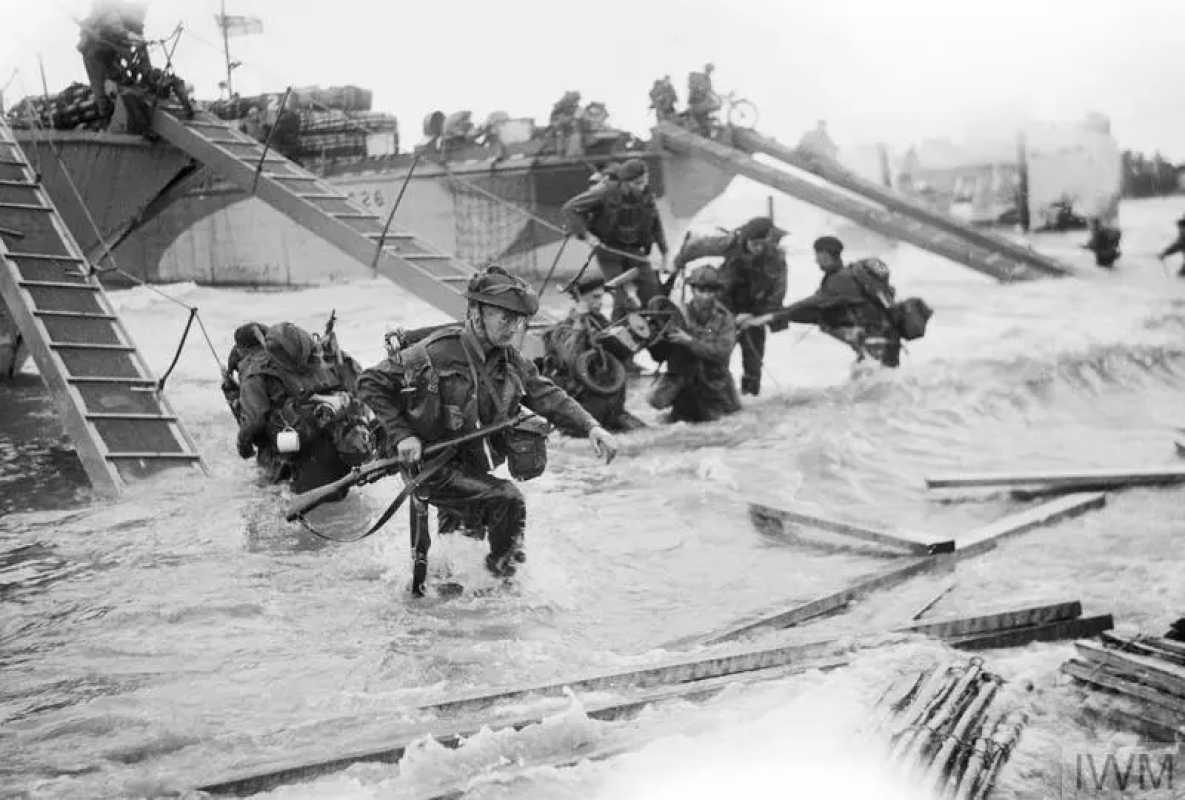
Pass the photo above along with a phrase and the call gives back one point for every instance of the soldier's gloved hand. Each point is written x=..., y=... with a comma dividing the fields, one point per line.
x=245, y=447
x=603, y=443
x=680, y=336
x=410, y=450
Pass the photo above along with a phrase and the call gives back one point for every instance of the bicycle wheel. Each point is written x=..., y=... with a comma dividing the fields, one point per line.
x=742, y=114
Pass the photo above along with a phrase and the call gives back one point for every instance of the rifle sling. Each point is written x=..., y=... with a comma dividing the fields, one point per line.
x=426, y=471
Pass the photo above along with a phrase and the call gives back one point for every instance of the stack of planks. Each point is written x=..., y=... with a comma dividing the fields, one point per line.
x=1147, y=672
x=945, y=734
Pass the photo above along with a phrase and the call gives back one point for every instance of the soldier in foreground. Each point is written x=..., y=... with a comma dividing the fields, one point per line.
x=697, y=386
x=753, y=274
x=464, y=377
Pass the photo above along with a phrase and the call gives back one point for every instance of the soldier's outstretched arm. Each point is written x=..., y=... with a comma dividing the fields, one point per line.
x=578, y=210
x=555, y=405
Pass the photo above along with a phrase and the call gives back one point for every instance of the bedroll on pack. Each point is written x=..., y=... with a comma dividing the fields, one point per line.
x=910, y=317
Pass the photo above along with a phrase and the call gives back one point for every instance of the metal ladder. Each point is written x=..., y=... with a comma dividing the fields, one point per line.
x=876, y=217
x=405, y=259
x=121, y=427
x=836, y=173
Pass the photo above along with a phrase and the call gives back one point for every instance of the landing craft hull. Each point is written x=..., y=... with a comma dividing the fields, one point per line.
x=196, y=227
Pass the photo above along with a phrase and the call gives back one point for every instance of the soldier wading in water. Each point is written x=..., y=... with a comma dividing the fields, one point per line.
x=461, y=378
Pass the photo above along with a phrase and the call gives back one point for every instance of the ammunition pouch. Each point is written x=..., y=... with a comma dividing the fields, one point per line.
x=525, y=448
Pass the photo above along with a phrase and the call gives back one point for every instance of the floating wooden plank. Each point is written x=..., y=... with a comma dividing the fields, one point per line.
x=1083, y=479
x=452, y=732
x=1147, y=646
x=763, y=514
x=664, y=673
x=835, y=600
x=1152, y=671
x=977, y=541
x=999, y=621
x=1050, y=632
x=986, y=536
x=1107, y=678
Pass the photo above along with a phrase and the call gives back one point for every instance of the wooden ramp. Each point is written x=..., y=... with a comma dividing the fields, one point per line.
x=407, y=260
x=121, y=427
x=835, y=173
x=1001, y=263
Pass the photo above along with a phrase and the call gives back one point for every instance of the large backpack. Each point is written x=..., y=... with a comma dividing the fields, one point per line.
x=910, y=317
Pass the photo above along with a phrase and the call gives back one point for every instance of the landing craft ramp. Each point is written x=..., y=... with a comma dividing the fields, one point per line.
x=405, y=259
x=121, y=426
x=874, y=208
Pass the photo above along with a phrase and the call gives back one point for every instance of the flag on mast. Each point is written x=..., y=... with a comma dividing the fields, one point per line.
x=238, y=25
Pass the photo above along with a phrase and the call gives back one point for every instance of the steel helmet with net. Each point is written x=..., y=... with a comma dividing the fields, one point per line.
x=494, y=286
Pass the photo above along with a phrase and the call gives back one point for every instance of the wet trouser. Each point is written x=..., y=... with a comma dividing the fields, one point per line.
x=688, y=399
x=98, y=59
x=613, y=265
x=752, y=342
x=480, y=498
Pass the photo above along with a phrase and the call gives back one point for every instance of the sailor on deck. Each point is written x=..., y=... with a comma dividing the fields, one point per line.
x=107, y=36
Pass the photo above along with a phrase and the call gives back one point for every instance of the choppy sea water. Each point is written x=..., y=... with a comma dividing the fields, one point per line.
x=186, y=632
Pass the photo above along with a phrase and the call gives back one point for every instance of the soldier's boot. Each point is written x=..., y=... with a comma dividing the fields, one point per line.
x=751, y=385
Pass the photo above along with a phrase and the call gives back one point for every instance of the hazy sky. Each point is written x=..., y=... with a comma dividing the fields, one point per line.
x=892, y=70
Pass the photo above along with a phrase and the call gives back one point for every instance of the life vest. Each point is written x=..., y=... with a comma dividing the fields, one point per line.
x=626, y=218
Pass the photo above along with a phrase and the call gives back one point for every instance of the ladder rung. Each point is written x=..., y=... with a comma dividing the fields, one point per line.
x=119, y=348
x=425, y=257
x=268, y=160
x=112, y=379
x=13, y=255
x=74, y=314
x=147, y=455
x=357, y=215
x=391, y=236
x=234, y=141
x=59, y=285
x=201, y=123
x=323, y=196
x=7, y=163
x=24, y=184
x=117, y=415
x=279, y=176
x=26, y=207
x=455, y=278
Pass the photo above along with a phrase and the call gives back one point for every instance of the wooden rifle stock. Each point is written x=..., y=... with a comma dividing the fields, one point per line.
x=307, y=501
